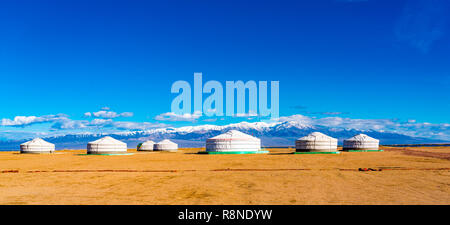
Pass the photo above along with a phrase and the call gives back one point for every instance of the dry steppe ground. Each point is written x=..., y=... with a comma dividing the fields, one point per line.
x=403, y=176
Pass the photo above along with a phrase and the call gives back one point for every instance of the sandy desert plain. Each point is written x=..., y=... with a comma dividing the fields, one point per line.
x=412, y=175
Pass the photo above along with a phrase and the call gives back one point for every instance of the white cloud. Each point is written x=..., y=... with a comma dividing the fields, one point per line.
x=18, y=135
x=297, y=117
x=67, y=124
x=100, y=122
x=126, y=114
x=105, y=114
x=30, y=120
x=170, y=116
x=137, y=125
x=249, y=114
x=108, y=114
x=210, y=120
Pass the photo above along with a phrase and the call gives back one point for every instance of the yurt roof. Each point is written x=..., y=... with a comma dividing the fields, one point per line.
x=166, y=141
x=39, y=142
x=148, y=142
x=234, y=134
x=107, y=140
x=362, y=137
x=316, y=136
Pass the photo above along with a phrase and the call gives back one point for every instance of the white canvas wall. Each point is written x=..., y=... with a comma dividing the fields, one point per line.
x=316, y=142
x=361, y=142
x=106, y=145
x=233, y=141
x=165, y=145
x=147, y=146
x=37, y=145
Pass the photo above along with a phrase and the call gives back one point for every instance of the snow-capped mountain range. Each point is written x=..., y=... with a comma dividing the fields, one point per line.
x=271, y=134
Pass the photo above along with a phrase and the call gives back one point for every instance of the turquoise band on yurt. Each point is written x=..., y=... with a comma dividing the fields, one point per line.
x=234, y=152
x=307, y=153
x=364, y=150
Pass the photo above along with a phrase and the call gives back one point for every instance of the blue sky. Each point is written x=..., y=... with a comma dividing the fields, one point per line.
x=373, y=60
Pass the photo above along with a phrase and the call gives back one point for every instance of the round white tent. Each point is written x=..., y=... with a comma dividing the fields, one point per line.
x=37, y=145
x=165, y=145
x=233, y=141
x=361, y=142
x=146, y=146
x=106, y=145
x=316, y=142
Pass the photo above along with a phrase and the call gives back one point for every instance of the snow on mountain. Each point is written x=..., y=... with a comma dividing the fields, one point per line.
x=271, y=134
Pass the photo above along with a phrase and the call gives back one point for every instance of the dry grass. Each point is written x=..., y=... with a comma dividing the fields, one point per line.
x=408, y=176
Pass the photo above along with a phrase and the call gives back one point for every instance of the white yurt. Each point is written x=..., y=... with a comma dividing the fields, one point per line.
x=233, y=141
x=316, y=142
x=165, y=145
x=106, y=145
x=37, y=145
x=146, y=146
x=361, y=142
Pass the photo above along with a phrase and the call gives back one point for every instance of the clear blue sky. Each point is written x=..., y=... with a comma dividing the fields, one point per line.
x=374, y=59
